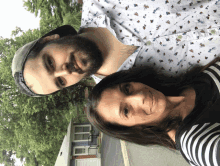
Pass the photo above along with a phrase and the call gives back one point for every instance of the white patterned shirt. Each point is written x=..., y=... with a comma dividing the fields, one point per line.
x=172, y=35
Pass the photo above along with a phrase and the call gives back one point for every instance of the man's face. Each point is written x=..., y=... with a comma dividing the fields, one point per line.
x=62, y=63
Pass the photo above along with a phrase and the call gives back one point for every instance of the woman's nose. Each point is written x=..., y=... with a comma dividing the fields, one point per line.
x=63, y=71
x=136, y=99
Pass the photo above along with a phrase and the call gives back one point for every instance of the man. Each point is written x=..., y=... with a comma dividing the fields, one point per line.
x=117, y=35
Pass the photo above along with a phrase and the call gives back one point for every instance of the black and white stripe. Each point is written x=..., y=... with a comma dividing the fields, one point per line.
x=199, y=144
x=214, y=72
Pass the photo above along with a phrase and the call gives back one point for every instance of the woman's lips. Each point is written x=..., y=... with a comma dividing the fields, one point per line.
x=149, y=101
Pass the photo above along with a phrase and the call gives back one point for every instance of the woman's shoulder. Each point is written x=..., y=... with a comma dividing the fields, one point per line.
x=200, y=141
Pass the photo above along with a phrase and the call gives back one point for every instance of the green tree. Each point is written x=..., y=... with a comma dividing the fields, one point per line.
x=33, y=128
x=54, y=13
x=6, y=158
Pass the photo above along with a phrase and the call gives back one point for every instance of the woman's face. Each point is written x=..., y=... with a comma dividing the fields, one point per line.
x=132, y=104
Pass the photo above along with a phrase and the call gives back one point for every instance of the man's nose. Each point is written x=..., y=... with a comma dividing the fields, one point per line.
x=63, y=71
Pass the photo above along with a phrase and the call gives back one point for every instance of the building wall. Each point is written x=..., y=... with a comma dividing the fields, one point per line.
x=72, y=161
x=94, y=138
x=93, y=143
x=83, y=143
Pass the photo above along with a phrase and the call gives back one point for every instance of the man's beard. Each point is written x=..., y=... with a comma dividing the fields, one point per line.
x=91, y=55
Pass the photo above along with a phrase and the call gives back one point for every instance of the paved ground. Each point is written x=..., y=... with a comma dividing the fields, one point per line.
x=111, y=154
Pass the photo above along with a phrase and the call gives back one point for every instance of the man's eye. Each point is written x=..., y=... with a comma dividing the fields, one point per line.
x=126, y=112
x=50, y=63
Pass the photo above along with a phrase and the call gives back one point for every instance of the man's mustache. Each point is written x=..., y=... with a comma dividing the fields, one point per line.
x=71, y=68
x=72, y=65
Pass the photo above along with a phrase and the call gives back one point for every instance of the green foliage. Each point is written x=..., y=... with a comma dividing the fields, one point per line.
x=5, y=158
x=34, y=128
x=74, y=18
x=54, y=13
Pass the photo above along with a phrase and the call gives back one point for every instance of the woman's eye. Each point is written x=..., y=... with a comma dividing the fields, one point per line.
x=127, y=89
x=126, y=112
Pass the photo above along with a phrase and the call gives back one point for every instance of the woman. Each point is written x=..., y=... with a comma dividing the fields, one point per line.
x=146, y=108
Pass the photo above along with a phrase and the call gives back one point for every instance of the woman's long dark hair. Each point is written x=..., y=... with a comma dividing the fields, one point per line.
x=141, y=134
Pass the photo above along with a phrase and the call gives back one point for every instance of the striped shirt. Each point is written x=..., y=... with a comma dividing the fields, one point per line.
x=199, y=135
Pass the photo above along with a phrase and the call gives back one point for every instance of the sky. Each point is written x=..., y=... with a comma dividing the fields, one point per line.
x=12, y=14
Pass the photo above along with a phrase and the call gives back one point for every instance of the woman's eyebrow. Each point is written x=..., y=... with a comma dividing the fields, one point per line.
x=121, y=109
x=120, y=88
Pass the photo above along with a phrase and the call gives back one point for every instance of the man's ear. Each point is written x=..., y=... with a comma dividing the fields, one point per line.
x=49, y=38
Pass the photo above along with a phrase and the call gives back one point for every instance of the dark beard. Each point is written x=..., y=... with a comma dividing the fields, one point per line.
x=92, y=56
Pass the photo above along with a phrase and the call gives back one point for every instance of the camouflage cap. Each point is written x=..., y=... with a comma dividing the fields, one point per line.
x=22, y=53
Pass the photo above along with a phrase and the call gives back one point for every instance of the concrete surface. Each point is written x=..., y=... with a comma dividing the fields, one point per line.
x=111, y=154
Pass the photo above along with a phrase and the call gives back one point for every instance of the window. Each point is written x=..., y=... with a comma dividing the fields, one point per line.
x=80, y=150
x=81, y=133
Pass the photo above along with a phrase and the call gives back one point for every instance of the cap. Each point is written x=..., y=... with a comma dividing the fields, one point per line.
x=22, y=53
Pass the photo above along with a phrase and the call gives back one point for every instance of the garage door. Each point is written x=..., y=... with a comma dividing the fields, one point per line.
x=88, y=162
